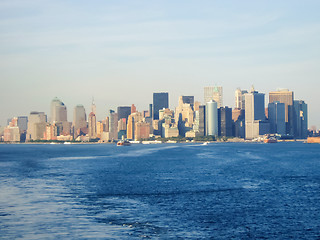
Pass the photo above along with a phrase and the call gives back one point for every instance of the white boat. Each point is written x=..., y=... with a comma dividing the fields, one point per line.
x=205, y=143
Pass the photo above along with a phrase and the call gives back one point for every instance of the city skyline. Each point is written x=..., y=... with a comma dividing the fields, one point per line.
x=121, y=52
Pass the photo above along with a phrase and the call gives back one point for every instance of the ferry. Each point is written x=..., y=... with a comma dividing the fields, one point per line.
x=123, y=143
x=270, y=139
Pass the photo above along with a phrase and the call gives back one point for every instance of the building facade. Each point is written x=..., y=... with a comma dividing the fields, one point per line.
x=160, y=101
x=211, y=118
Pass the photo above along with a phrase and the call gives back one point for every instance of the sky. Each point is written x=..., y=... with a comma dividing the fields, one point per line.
x=121, y=51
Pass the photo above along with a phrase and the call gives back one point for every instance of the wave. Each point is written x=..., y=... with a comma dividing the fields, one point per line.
x=143, y=152
x=76, y=158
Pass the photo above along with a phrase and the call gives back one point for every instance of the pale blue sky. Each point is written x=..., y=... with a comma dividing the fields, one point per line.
x=121, y=52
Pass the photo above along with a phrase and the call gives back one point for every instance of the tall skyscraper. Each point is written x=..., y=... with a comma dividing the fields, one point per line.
x=214, y=93
x=113, y=125
x=130, y=127
x=58, y=111
x=300, y=113
x=284, y=96
x=240, y=98
x=92, y=126
x=79, y=120
x=150, y=111
x=225, y=121
x=160, y=101
x=255, y=120
x=238, y=117
x=124, y=112
x=211, y=118
x=22, y=123
x=276, y=116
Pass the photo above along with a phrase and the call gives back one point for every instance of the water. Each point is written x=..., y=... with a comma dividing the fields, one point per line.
x=166, y=191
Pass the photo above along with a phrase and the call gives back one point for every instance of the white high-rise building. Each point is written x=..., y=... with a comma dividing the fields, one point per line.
x=211, y=118
x=58, y=111
x=240, y=98
x=214, y=93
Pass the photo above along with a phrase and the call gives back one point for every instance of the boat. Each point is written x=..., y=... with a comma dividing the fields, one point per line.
x=270, y=140
x=123, y=143
x=205, y=143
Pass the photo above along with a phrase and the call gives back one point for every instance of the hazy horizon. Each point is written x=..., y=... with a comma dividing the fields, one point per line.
x=120, y=52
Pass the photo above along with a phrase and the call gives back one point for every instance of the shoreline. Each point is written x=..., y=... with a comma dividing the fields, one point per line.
x=152, y=142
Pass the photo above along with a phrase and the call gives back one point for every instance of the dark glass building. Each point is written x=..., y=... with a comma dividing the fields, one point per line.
x=124, y=112
x=225, y=122
x=160, y=101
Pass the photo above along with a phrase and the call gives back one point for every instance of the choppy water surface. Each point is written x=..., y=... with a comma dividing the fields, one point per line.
x=219, y=191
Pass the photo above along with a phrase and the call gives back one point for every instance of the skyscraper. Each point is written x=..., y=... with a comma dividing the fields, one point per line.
x=255, y=123
x=113, y=125
x=124, y=112
x=130, y=127
x=211, y=118
x=58, y=111
x=160, y=101
x=36, y=125
x=225, y=121
x=214, y=93
x=79, y=119
x=22, y=123
x=240, y=98
x=276, y=116
x=92, y=126
x=284, y=96
x=300, y=114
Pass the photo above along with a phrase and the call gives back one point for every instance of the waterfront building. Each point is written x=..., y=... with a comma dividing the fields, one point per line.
x=285, y=96
x=169, y=130
x=58, y=111
x=202, y=119
x=214, y=93
x=113, y=125
x=142, y=130
x=238, y=117
x=11, y=134
x=100, y=128
x=51, y=132
x=124, y=112
x=276, y=117
x=160, y=101
x=255, y=120
x=211, y=118
x=130, y=127
x=92, y=126
x=225, y=122
x=79, y=124
x=184, y=114
x=36, y=126
x=300, y=113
